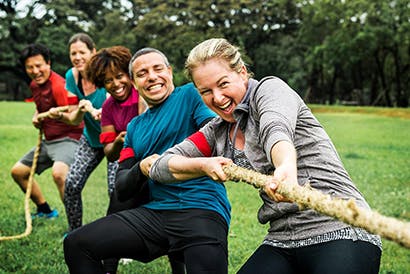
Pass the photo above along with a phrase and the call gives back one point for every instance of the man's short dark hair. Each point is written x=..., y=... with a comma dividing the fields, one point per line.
x=33, y=50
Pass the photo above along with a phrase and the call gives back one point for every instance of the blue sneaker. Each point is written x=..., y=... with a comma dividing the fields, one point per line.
x=53, y=214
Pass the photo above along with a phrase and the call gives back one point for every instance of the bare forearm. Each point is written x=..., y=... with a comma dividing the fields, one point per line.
x=283, y=152
x=73, y=118
x=183, y=168
x=284, y=158
x=172, y=168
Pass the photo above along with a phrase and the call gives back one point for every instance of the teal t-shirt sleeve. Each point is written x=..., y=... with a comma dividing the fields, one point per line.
x=127, y=138
x=70, y=83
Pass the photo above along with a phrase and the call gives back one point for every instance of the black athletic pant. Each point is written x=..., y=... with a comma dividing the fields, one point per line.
x=115, y=205
x=113, y=237
x=335, y=257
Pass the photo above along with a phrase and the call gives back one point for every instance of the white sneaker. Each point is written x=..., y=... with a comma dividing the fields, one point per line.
x=125, y=261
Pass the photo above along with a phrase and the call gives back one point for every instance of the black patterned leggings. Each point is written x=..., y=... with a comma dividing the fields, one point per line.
x=86, y=160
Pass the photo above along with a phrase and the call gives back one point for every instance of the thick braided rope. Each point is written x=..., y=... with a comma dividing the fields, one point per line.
x=28, y=194
x=30, y=182
x=90, y=109
x=343, y=210
x=45, y=114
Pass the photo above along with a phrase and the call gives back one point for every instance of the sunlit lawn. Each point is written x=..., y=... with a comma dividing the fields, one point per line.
x=374, y=148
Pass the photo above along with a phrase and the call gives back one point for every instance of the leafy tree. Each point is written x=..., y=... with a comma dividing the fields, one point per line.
x=357, y=47
x=330, y=51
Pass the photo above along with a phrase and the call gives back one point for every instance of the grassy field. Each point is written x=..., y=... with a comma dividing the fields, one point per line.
x=374, y=144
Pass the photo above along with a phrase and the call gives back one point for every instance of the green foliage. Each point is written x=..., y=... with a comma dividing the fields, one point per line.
x=112, y=33
x=372, y=142
x=330, y=51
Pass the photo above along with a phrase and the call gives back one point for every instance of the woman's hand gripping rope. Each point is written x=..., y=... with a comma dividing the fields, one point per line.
x=343, y=210
x=86, y=106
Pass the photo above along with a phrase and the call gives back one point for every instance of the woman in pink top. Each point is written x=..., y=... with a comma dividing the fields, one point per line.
x=108, y=68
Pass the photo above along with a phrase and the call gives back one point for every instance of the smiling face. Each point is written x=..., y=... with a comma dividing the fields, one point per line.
x=80, y=54
x=38, y=69
x=118, y=84
x=152, y=78
x=221, y=88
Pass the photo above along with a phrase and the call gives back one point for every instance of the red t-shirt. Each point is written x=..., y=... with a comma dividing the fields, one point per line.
x=53, y=94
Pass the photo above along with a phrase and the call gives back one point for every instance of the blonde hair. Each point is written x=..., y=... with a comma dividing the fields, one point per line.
x=218, y=48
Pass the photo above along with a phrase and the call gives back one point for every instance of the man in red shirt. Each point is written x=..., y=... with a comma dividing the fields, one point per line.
x=60, y=140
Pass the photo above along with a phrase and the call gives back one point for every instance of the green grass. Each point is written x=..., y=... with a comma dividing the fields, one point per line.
x=374, y=146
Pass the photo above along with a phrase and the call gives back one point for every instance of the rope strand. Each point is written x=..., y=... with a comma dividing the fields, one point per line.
x=28, y=194
x=343, y=210
x=45, y=114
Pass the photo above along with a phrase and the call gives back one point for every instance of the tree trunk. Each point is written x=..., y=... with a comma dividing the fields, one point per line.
x=380, y=70
x=401, y=99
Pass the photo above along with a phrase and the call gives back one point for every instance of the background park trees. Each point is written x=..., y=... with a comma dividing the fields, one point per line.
x=355, y=51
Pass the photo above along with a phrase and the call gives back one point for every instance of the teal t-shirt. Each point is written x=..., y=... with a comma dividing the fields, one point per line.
x=92, y=127
x=164, y=126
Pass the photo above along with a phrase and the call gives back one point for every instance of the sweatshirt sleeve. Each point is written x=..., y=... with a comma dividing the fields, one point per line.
x=129, y=179
x=276, y=106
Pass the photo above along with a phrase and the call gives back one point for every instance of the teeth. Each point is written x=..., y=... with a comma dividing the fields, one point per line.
x=155, y=87
x=118, y=90
x=226, y=105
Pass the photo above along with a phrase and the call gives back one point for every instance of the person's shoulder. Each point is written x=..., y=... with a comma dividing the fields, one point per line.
x=135, y=122
x=69, y=73
x=108, y=102
x=103, y=91
x=270, y=81
x=216, y=122
x=99, y=94
x=70, y=78
x=187, y=91
x=57, y=83
x=187, y=87
x=55, y=77
x=33, y=85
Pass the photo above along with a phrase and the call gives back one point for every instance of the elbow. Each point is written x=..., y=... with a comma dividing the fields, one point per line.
x=160, y=172
x=111, y=157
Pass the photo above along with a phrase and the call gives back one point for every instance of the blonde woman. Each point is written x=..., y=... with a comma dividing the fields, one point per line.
x=265, y=126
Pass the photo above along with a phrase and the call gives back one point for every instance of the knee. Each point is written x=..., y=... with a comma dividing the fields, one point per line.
x=20, y=172
x=59, y=177
x=68, y=243
x=73, y=241
x=71, y=247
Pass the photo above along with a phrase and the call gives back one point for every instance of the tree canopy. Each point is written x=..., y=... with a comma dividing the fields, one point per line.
x=329, y=51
